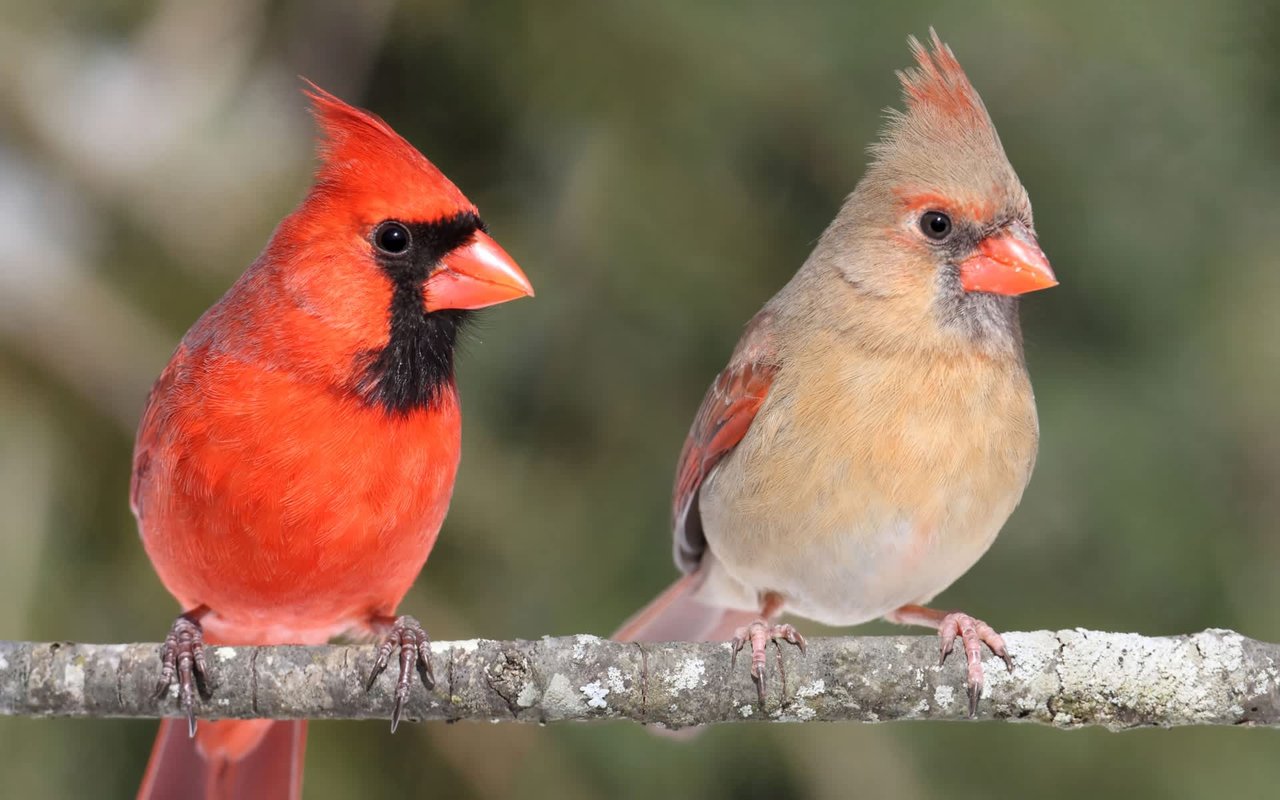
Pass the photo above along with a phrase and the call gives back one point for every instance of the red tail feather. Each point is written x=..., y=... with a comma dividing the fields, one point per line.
x=228, y=760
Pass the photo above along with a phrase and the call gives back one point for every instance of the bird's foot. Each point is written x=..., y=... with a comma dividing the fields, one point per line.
x=973, y=634
x=758, y=634
x=182, y=657
x=407, y=635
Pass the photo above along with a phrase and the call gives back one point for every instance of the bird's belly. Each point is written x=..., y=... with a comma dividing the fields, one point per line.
x=298, y=529
x=850, y=521
x=848, y=573
x=306, y=586
x=866, y=571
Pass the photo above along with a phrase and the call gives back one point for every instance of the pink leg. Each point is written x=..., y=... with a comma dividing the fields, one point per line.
x=758, y=634
x=973, y=634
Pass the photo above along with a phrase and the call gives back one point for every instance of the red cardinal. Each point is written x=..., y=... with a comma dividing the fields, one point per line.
x=296, y=458
x=875, y=426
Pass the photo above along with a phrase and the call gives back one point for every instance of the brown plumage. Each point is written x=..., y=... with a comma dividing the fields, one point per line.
x=875, y=426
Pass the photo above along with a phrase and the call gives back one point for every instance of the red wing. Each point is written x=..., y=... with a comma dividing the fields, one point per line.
x=726, y=413
x=149, y=426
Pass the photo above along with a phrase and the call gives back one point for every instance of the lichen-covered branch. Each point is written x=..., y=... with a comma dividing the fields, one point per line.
x=1063, y=678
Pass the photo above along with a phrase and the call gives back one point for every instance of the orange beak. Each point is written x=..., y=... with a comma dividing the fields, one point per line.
x=477, y=275
x=1009, y=262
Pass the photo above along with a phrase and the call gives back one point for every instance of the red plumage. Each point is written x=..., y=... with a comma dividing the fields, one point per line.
x=297, y=456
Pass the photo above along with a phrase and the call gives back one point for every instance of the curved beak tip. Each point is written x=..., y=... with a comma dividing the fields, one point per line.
x=475, y=276
x=1009, y=262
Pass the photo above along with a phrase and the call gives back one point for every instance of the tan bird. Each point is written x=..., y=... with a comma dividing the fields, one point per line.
x=875, y=426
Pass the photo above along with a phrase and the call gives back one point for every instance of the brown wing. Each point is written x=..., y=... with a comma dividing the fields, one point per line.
x=726, y=413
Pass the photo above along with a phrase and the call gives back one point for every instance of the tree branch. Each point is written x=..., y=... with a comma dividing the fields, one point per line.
x=1064, y=678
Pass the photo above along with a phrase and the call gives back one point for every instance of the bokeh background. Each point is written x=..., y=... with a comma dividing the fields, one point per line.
x=659, y=169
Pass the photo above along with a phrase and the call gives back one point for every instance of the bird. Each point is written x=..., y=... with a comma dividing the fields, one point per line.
x=296, y=458
x=875, y=426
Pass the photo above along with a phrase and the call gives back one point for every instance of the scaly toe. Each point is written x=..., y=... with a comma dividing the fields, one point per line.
x=407, y=636
x=759, y=634
x=973, y=634
x=182, y=659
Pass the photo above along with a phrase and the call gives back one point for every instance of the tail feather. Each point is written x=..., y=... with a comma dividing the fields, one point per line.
x=228, y=760
x=675, y=616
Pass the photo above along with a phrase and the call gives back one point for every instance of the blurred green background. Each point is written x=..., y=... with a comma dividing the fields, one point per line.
x=659, y=169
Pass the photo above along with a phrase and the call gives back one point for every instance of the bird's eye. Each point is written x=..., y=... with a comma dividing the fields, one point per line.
x=935, y=225
x=391, y=237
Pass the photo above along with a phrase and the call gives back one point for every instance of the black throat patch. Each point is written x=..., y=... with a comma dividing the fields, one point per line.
x=415, y=367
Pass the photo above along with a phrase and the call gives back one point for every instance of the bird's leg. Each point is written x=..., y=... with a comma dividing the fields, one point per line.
x=973, y=634
x=758, y=634
x=406, y=634
x=182, y=657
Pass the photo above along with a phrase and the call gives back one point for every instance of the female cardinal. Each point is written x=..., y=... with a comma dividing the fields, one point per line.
x=296, y=458
x=875, y=426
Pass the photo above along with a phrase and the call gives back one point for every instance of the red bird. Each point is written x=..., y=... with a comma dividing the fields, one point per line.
x=296, y=458
x=875, y=426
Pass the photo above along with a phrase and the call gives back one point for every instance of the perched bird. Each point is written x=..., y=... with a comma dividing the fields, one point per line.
x=875, y=426
x=296, y=458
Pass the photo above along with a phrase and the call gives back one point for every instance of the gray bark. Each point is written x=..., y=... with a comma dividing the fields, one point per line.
x=1065, y=679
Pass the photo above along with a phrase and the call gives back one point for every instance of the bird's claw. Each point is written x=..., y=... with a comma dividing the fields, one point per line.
x=182, y=657
x=973, y=633
x=415, y=650
x=758, y=634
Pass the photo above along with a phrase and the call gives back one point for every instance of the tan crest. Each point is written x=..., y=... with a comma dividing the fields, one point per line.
x=943, y=145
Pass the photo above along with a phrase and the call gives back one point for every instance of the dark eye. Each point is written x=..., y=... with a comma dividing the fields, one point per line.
x=935, y=225
x=391, y=237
